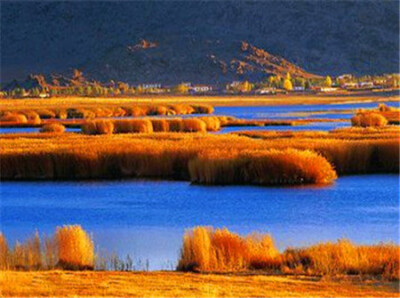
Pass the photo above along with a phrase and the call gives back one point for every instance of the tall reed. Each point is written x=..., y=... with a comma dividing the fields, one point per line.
x=369, y=119
x=270, y=167
x=3, y=252
x=53, y=128
x=75, y=248
x=206, y=249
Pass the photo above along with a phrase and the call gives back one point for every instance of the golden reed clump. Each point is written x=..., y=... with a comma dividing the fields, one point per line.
x=144, y=125
x=48, y=114
x=343, y=257
x=75, y=248
x=193, y=125
x=369, y=119
x=269, y=167
x=133, y=126
x=70, y=248
x=213, y=123
x=205, y=249
x=3, y=252
x=160, y=125
x=53, y=128
x=87, y=111
x=95, y=127
x=14, y=117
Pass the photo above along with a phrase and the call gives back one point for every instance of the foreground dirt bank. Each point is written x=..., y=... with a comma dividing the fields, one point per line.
x=174, y=284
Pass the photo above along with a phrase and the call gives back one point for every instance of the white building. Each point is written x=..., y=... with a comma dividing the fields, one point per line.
x=201, y=88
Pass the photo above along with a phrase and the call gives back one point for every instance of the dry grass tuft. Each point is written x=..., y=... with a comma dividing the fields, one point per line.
x=160, y=125
x=213, y=123
x=53, y=128
x=49, y=114
x=13, y=117
x=208, y=250
x=133, y=126
x=167, y=155
x=344, y=257
x=193, y=125
x=3, y=252
x=95, y=127
x=271, y=167
x=369, y=119
x=203, y=109
x=75, y=248
x=33, y=117
x=205, y=249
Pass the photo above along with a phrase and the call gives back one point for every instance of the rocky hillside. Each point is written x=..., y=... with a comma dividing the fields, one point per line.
x=175, y=41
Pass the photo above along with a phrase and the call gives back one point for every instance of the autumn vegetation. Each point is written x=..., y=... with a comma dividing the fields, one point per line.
x=71, y=248
x=268, y=167
x=380, y=117
x=207, y=250
x=102, y=111
x=243, y=157
x=52, y=128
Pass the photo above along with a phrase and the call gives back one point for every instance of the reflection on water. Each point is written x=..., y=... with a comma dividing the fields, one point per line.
x=147, y=218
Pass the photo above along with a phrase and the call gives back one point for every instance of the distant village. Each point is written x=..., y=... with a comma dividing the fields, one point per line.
x=36, y=86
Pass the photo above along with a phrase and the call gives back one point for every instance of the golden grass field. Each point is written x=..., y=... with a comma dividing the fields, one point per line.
x=167, y=155
x=176, y=284
x=227, y=100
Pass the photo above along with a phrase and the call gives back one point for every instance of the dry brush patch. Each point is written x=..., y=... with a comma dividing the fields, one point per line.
x=53, y=128
x=369, y=119
x=207, y=250
x=167, y=155
x=102, y=110
x=71, y=248
x=269, y=167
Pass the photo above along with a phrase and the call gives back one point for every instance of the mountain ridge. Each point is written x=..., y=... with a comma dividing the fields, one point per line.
x=323, y=37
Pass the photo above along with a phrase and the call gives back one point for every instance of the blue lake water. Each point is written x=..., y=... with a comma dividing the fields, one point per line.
x=147, y=219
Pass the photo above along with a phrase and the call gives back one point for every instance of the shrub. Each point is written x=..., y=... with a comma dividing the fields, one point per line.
x=133, y=125
x=344, y=257
x=369, y=119
x=3, y=252
x=98, y=127
x=118, y=112
x=53, y=128
x=212, y=123
x=13, y=117
x=75, y=248
x=205, y=249
x=80, y=113
x=160, y=125
x=158, y=110
x=46, y=114
x=193, y=125
x=61, y=114
x=175, y=125
x=182, y=109
x=203, y=109
x=32, y=117
x=271, y=167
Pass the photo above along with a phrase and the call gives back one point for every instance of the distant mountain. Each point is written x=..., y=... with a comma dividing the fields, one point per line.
x=201, y=42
